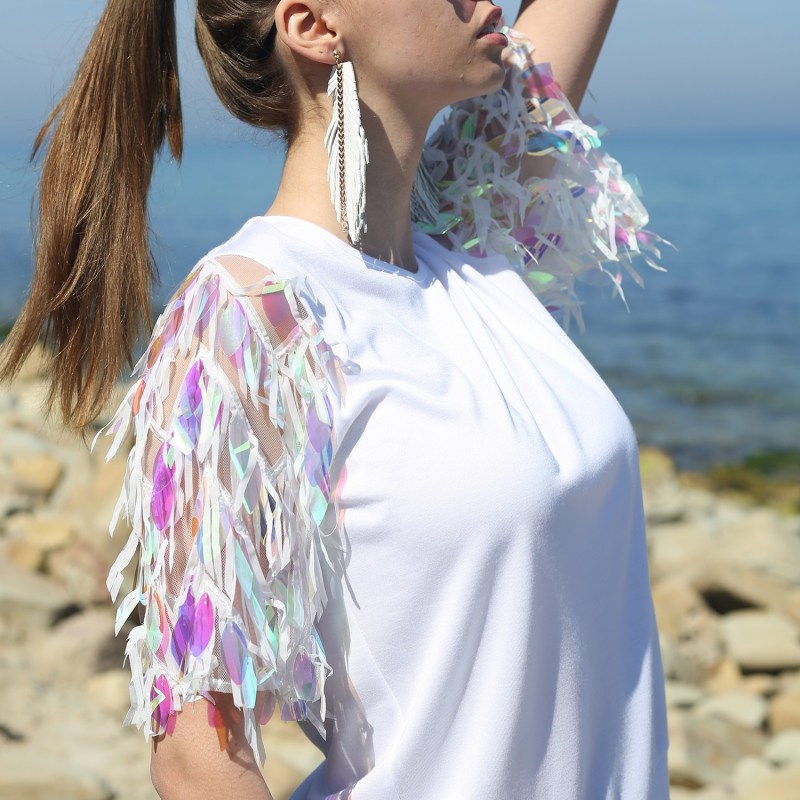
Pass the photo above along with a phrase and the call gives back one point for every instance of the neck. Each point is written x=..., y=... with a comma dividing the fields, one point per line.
x=395, y=145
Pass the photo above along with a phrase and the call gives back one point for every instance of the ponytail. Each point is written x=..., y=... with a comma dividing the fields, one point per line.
x=93, y=269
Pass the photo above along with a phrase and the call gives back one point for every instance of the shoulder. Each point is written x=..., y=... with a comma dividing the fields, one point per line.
x=258, y=275
x=268, y=242
x=237, y=329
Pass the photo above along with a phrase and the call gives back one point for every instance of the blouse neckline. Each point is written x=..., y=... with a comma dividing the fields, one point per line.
x=422, y=276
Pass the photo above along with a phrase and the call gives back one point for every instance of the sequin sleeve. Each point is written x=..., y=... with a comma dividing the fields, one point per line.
x=584, y=222
x=227, y=492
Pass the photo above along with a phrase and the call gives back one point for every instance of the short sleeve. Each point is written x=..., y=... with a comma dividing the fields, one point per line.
x=583, y=222
x=227, y=492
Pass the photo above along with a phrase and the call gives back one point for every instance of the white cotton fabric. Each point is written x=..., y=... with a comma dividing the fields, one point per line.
x=501, y=633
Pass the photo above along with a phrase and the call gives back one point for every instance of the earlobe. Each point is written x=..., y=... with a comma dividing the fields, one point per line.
x=305, y=29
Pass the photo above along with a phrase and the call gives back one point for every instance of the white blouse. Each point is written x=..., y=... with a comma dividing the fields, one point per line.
x=502, y=636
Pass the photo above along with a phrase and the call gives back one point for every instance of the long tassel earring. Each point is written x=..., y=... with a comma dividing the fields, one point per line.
x=348, y=155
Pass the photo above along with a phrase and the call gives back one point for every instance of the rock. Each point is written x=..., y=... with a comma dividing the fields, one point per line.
x=88, y=502
x=16, y=440
x=12, y=502
x=660, y=489
x=759, y=683
x=678, y=548
x=664, y=505
x=109, y=691
x=78, y=647
x=678, y=793
x=711, y=793
x=704, y=749
x=732, y=587
x=46, y=531
x=761, y=640
x=750, y=771
x=37, y=474
x=788, y=680
x=784, y=748
x=698, y=648
x=82, y=570
x=682, y=695
x=26, y=774
x=759, y=541
x=668, y=655
x=62, y=725
x=22, y=553
x=747, y=710
x=763, y=540
x=674, y=599
x=781, y=785
x=692, y=630
x=31, y=537
x=699, y=503
x=726, y=676
x=791, y=605
x=29, y=413
x=784, y=711
x=27, y=602
x=656, y=467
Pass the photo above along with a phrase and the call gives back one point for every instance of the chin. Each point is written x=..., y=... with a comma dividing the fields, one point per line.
x=476, y=83
x=491, y=80
x=498, y=74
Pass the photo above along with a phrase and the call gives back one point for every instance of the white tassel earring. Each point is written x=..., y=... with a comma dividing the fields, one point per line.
x=347, y=151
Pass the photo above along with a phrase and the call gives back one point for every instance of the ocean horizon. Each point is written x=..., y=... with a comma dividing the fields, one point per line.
x=704, y=362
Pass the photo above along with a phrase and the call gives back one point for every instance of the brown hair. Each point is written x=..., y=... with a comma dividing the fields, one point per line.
x=90, y=295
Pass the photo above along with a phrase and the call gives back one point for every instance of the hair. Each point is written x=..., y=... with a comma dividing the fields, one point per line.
x=89, y=298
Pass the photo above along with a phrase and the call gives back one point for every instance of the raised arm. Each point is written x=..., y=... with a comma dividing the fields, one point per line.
x=569, y=35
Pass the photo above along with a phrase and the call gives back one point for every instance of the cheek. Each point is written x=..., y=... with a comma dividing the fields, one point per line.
x=425, y=47
x=412, y=62
x=420, y=36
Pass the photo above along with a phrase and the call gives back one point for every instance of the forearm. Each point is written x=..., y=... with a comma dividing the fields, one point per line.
x=206, y=757
x=568, y=34
x=236, y=784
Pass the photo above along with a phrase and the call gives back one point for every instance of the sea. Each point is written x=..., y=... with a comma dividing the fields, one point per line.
x=705, y=359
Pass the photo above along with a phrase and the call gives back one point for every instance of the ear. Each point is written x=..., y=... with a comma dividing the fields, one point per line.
x=308, y=29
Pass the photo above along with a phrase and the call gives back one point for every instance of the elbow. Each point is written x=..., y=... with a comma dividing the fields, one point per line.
x=200, y=768
x=175, y=773
x=167, y=774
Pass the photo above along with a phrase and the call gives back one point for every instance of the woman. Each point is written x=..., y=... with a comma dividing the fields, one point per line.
x=373, y=483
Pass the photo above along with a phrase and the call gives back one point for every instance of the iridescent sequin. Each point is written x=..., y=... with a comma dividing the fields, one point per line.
x=264, y=620
x=580, y=223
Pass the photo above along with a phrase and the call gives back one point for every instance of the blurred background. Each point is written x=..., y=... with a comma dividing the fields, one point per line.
x=702, y=104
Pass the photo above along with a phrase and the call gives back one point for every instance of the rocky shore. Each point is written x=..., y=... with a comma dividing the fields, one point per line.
x=725, y=573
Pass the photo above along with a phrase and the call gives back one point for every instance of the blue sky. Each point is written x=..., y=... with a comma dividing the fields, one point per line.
x=707, y=64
